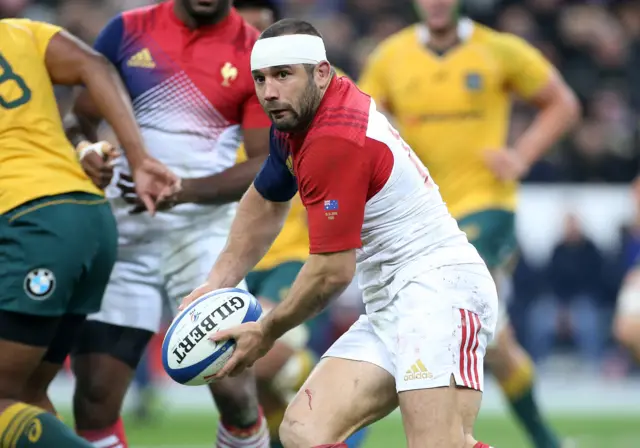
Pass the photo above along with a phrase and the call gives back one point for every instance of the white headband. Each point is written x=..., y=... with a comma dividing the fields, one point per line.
x=287, y=50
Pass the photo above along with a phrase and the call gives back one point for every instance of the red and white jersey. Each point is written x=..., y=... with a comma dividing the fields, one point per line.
x=364, y=188
x=191, y=89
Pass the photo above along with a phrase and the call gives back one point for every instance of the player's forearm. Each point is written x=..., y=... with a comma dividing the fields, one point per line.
x=550, y=124
x=321, y=279
x=222, y=188
x=256, y=225
x=112, y=101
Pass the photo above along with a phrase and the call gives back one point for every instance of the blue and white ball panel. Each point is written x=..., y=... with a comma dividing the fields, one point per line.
x=188, y=356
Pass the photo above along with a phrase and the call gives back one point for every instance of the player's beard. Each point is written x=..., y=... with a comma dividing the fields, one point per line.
x=207, y=17
x=306, y=110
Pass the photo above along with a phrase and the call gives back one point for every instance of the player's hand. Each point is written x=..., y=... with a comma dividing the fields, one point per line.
x=128, y=192
x=97, y=161
x=197, y=293
x=154, y=182
x=252, y=343
x=506, y=164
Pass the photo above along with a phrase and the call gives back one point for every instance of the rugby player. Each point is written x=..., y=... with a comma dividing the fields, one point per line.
x=447, y=82
x=57, y=233
x=431, y=302
x=185, y=64
x=281, y=373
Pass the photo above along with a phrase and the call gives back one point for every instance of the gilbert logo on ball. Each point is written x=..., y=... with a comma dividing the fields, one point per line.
x=188, y=355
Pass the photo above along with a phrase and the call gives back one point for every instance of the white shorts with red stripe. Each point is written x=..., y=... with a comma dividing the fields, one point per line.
x=437, y=326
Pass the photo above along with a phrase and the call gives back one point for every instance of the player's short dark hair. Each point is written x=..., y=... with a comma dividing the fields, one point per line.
x=285, y=27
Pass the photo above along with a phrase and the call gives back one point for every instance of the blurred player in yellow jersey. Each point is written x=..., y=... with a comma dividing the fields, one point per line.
x=447, y=82
x=281, y=373
x=57, y=234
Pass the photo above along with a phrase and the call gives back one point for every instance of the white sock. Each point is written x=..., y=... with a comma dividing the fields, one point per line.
x=256, y=437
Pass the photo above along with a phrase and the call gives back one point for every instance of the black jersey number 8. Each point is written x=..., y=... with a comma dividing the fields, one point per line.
x=8, y=75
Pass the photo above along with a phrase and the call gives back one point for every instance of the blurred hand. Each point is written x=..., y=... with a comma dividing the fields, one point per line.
x=506, y=164
x=97, y=161
x=251, y=344
x=154, y=183
x=129, y=194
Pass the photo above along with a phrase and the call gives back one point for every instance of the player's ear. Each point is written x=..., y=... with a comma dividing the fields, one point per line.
x=322, y=74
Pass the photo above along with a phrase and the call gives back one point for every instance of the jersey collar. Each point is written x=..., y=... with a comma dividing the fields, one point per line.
x=465, y=31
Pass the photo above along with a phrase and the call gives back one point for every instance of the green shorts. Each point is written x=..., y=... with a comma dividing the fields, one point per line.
x=493, y=234
x=56, y=255
x=273, y=284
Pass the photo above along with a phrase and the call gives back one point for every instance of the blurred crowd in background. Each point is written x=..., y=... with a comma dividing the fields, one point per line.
x=567, y=303
x=594, y=43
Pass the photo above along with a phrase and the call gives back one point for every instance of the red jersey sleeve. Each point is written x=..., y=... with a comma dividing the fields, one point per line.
x=334, y=176
x=253, y=116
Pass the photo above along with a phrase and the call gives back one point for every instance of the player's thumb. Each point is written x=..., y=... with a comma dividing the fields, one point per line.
x=196, y=293
x=149, y=203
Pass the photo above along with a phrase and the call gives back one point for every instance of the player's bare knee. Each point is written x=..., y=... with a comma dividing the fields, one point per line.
x=296, y=432
x=627, y=331
x=96, y=403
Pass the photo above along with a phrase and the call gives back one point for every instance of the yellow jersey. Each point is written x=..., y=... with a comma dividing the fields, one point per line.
x=36, y=159
x=451, y=109
x=293, y=242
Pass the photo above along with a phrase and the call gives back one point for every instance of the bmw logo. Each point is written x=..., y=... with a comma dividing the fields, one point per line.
x=39, y=283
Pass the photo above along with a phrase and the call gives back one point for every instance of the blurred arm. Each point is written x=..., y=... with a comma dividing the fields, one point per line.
x=71, y=62
x=559, y=111
x=530, y=75
x=232, y=183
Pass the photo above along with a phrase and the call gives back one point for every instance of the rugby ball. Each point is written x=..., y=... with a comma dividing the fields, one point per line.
x=188, y=355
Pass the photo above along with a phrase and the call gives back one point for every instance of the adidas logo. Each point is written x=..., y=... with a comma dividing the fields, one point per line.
x=417, y=372
x=142, y=59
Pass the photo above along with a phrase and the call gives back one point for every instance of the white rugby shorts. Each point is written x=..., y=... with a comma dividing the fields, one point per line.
x=438, y=325
x=158, y=264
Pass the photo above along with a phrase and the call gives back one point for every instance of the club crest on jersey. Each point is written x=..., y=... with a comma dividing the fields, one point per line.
x=39, y=284
x=473, y=81
x=229, y=73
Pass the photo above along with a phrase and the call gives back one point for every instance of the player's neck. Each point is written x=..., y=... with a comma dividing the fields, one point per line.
x=196, y=22
x=442, y=40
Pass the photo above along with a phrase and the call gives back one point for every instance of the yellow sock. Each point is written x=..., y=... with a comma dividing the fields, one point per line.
x=274, y=419
x=520, y=381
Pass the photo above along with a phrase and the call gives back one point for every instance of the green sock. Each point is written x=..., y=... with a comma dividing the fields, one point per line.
x=526, y=408
x=24, y=426
x=519, y=391
x=276, y=444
